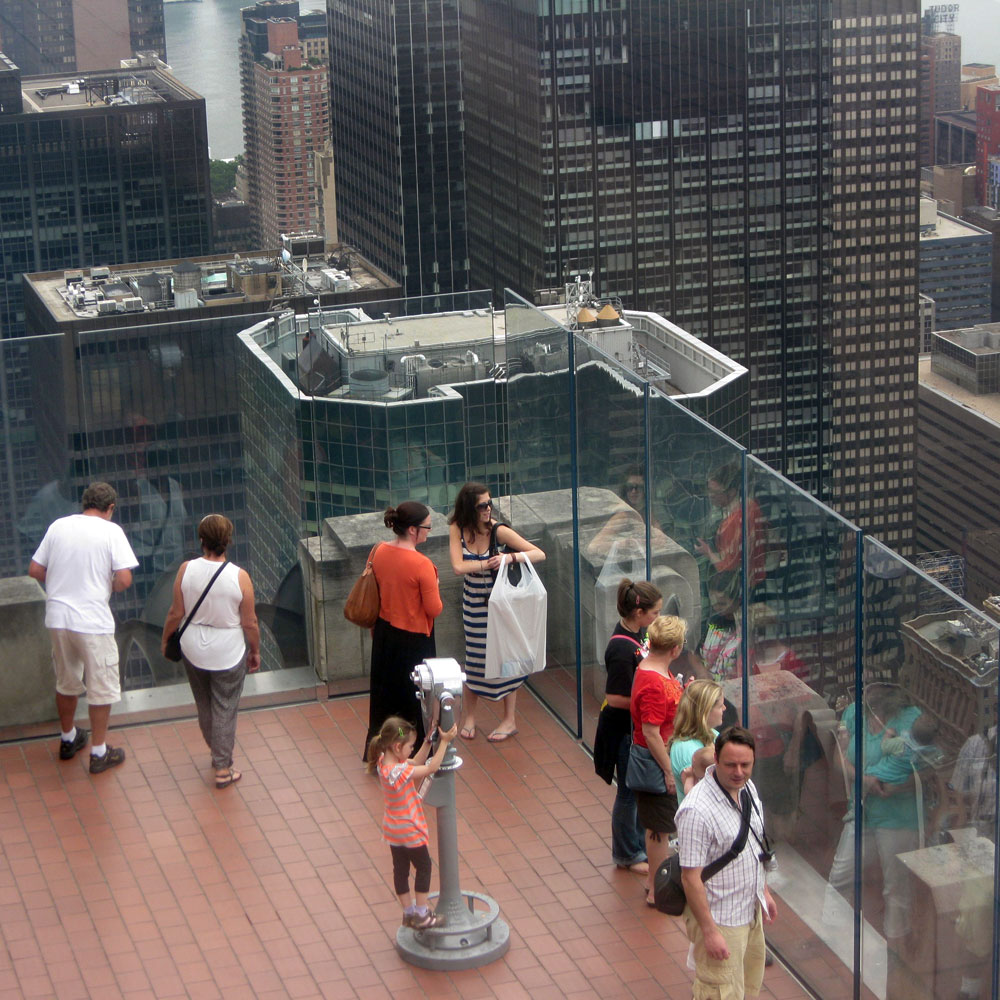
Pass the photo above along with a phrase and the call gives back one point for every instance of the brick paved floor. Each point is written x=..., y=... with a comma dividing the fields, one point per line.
x=147, y=882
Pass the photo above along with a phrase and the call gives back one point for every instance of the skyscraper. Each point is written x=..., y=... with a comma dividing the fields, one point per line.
x=95, y=169
x=748, y=171
x=99, y=168
x=396, y=118
x=57, y=36
x=284, y=79
x=940, y=85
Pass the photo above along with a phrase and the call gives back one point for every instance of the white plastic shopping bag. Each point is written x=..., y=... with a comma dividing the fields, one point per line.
x=515, y=626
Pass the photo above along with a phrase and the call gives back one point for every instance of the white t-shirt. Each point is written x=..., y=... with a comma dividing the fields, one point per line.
x=214, y=639
x=80, y=554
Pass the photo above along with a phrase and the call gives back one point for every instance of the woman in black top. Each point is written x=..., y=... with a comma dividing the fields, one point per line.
x=638, y=604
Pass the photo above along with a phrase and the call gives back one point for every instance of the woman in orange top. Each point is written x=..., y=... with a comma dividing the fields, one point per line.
x=409, y=601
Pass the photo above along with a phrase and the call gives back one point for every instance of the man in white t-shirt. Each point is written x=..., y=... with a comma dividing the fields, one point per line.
x=82, y=559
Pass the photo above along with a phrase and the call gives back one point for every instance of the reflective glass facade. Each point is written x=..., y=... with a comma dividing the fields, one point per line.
x=396, y=122
x=747, y=170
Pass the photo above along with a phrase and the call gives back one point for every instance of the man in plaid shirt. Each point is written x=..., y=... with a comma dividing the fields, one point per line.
x=724, y=915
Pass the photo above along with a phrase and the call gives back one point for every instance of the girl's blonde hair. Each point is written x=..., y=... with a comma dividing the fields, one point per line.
x=394, y=730
x=691, y=721
x=667, y=632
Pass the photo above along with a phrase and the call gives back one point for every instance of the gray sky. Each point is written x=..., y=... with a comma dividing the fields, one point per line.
x=979, y=25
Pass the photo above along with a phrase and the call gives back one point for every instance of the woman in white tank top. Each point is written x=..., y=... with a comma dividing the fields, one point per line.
x=221, y=642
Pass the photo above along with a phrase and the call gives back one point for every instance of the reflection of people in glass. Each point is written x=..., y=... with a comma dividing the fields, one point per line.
x=627, y=524
x=890, y=808
x=725, y=552
x=720, y=648
x=975, y=779
x=768, y=651
x=160, y=528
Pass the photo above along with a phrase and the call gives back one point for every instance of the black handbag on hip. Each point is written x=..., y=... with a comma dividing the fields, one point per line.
x=173, y=648
x=668, y=889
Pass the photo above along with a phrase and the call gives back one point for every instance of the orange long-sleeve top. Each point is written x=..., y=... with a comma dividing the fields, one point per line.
x=409, y=597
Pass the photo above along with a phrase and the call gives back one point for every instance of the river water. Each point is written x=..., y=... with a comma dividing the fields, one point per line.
x=202, y=49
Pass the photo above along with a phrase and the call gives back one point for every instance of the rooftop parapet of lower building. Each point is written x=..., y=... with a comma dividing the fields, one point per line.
x=410, y=355
x=62, y=92
x=270, y=279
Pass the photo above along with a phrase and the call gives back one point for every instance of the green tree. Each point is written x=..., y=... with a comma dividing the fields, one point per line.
x=223, y=175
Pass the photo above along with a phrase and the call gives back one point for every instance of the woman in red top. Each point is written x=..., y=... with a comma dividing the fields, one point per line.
x=409, y=601
x=724, y=487
x=655, y=696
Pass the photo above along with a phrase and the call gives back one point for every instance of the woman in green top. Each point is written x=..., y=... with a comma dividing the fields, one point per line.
x=890, y=826
x=699, y=716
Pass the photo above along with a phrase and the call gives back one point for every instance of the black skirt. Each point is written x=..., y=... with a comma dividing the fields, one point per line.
x=395, y=652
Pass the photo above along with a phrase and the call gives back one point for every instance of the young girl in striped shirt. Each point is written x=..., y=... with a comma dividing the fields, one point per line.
x=404, y=826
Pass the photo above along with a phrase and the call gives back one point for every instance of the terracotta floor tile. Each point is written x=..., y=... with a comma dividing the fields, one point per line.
x=282, y=887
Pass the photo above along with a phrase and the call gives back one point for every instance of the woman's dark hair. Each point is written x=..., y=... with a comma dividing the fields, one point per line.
x=726, y=581
x=215, y=532
x=639, y=595
x=409, y=514
x=632, y=472
x=735, y=734
x=729, y=477
x=465, y=514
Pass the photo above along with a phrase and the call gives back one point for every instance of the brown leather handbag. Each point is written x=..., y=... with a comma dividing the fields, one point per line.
x=362, y=604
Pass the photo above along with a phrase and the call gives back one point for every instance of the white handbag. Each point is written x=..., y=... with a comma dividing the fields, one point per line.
x=515, y=625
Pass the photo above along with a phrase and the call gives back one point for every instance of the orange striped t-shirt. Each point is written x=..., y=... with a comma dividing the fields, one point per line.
x=403, y=823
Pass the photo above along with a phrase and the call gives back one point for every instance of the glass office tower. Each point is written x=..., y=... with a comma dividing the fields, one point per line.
x=747, y=170
x=396, y=122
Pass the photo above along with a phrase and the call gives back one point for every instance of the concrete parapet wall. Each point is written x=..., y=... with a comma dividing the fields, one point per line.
x=333, y=561
x=27, y=695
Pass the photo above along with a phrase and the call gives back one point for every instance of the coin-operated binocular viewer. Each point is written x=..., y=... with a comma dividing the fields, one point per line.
x=472, y=933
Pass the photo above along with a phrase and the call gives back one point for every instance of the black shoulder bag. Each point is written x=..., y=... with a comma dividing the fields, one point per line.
x=173, y=650
x=668, y=889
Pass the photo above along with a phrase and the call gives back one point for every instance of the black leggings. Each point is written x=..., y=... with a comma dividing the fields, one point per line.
x=402, y=858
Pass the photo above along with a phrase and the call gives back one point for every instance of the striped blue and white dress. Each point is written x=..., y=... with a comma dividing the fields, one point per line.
x=475, y=595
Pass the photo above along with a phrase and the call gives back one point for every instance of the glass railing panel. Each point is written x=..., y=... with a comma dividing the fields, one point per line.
x=541, y=457
x=802, y=624
x=35, y=489
x=696, y=487
x=929, y=783
x=611, y=503
x=155, y=411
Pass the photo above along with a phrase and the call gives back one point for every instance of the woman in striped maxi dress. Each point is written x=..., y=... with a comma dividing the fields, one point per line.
x=470, y=525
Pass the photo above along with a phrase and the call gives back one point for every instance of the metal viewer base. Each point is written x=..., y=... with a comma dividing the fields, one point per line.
x=469, y=939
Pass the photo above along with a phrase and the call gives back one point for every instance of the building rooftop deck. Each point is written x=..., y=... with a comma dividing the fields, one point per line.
x=146, y=882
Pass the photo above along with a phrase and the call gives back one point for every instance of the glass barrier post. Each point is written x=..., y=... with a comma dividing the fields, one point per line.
x=859, y=859
x=574, y=476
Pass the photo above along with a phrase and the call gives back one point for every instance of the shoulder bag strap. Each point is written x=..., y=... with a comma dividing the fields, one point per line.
x=738, y=844
x=494, y=548
x=187, y=621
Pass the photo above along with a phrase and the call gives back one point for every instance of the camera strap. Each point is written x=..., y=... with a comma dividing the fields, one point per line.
x=741, y=838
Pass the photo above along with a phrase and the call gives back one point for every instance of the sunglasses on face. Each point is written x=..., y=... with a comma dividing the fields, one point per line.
x=485, y=505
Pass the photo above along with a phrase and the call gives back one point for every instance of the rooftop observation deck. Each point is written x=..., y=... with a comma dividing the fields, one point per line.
x=146, y=882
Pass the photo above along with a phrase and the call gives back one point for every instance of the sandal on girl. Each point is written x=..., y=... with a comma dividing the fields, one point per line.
x=229, y=778
x=425, y=921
